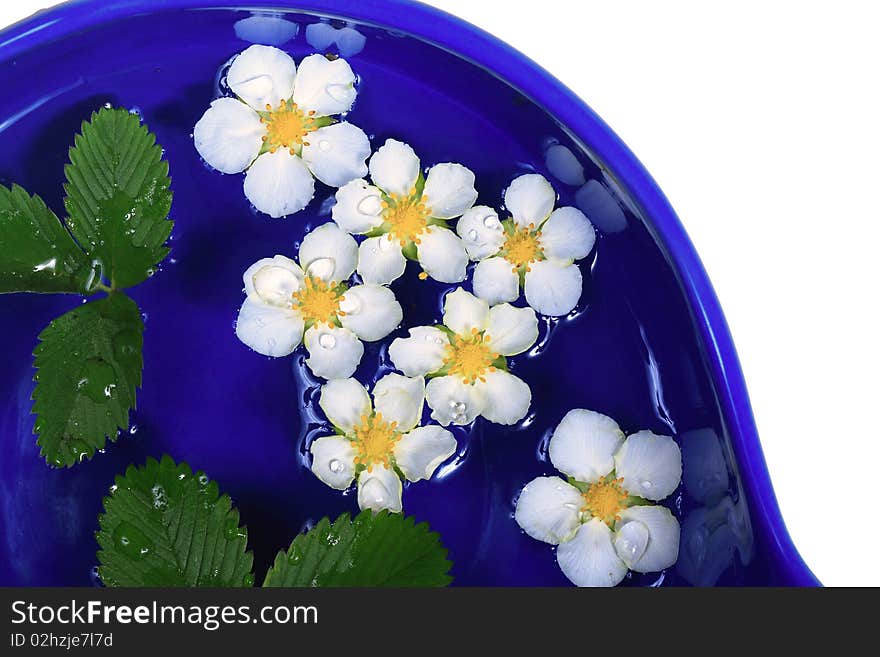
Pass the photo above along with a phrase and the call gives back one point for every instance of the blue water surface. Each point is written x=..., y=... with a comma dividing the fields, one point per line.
x=630, y=350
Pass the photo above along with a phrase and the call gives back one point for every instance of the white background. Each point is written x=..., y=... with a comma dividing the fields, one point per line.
x=761, y=122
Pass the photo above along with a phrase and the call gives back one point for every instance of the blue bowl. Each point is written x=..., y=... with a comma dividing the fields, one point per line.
x=648, y=345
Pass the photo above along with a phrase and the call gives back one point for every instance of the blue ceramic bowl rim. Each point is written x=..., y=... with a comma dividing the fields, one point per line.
x=481, y=48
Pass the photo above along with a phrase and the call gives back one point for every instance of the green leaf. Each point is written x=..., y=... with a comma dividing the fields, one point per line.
x=89, y=364
x=118, y=196
x=165, y=526
x=385, y=549
x=38, y=253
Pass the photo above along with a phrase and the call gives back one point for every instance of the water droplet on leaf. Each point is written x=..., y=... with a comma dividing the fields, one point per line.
x=97, y=375
x=131, y=541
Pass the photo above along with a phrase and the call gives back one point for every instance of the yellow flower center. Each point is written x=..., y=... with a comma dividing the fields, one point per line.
x=470, y=357
x=407, y=216
x=317, y=301
x=522, y=247
x=605, y=499
x=374, y=440
x=287, y=126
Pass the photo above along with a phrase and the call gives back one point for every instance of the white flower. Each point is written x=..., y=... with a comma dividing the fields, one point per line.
x=603, y=523
x=279, y=128
x=378, y=440
x=288, y=302
x=404, y=216
x=536, y=248
x=466, y=358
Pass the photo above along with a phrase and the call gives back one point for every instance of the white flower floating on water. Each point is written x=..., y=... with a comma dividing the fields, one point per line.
x=466, y=358
x=287, y=301
x=603, y=523
x=536, y=248
x=378, y=440
x=404, y=215
x=279, y=128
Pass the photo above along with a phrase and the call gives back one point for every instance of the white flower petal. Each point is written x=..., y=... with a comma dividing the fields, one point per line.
x=662, y=531
x=400, y=399
x=452, y=401
x=548, y=509
x=419, y=452
x=553, y=287
x=324, y=86
x=371, y=311
x=529, y=199
x=333, y=461
x=268, y=330
x=462, y=312
x=229, y=135
x=442, y=255
x=481, y=231
x=567, y=235
x=279, y=184
x=421, y=353
x=380, y=260
x=449, y=190
x=394, y=168
x=262, y=75
x=273, y=280
x=329, y=253
x=496, y=281
x=334, y=353
x=589, y=559
x=380, y=489
x=583, y=445
x=649, y=464
x=337, y=154
x=511, y=330
x=345, y=402
x=358, y=208
x=507, y=397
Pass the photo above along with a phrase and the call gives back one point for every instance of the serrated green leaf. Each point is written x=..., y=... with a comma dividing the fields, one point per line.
x=38, y=253
x=386, y=549
x=165, y=526
x=118, y=196
x=89, y=364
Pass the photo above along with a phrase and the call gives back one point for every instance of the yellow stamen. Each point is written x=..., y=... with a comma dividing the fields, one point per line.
x=317, y=301
x=605, y=499
x=423, y=275
x=287, y=126
x=470, y=357
x=407, y=216
x=374, y=440
x=523, y=247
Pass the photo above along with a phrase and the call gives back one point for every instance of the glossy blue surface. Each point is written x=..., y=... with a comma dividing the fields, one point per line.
x=648, y=345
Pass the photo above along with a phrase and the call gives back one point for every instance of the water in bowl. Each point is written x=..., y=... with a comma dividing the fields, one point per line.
x=630, y=350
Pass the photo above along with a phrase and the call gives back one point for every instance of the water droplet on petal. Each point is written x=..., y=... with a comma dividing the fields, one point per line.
x=321, y=268
x=324, y=145
x=491, y=221
x=647, y=485
x=339, y=92
x=327, y=341
x=631, y=541
x=370, y=205
x=350, y=304
x=472, y=234
x=336, y=465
